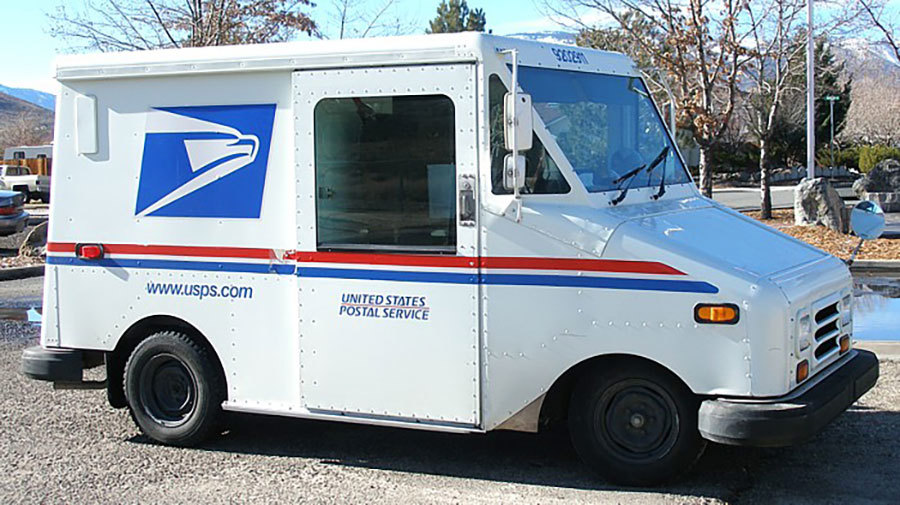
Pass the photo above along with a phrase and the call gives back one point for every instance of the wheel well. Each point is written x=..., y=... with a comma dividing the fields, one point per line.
x=555, y=407
x=137, y=332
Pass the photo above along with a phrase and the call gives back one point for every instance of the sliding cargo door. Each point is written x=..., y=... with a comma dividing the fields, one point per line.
x=387, y=254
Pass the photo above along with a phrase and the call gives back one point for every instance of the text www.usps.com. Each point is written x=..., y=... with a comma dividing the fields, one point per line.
x=199, y=291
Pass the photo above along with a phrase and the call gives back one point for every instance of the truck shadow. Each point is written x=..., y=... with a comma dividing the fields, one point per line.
x=847, y=462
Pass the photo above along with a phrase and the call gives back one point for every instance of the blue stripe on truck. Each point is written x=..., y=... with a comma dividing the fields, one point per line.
x=155, y=264
x=671, y=285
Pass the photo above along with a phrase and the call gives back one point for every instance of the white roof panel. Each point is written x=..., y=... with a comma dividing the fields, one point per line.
x=416, y=49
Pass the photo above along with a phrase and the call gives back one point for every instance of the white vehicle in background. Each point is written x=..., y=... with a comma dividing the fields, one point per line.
x=19, y=178
x=376, y=231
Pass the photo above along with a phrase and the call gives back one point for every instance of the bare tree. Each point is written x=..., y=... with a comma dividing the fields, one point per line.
x=878, y=12
x=27, y=129
x=702, y=50
x=874, y=115
x=359, y=19
x=116, y=25
x=775, y=43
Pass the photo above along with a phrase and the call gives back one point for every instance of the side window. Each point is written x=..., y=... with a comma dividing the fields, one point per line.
x=19, y=155
x=542, y=175
x=386, y=173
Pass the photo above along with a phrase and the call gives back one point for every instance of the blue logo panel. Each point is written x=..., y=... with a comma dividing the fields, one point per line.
x=205, y=161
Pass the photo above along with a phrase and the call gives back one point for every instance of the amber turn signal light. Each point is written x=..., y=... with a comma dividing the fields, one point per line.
x=845, y=343
x=725, y=313
x=802, y=371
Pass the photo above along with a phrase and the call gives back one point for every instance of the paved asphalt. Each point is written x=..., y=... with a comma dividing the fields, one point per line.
x=748, y=198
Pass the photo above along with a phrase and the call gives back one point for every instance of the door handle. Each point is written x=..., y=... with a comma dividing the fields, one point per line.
x=467, y=200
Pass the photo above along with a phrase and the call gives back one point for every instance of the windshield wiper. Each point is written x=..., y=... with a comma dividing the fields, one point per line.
x=662, y=178
x=630, y=176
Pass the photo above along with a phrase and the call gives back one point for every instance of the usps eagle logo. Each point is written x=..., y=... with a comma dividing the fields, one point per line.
x=205, y=161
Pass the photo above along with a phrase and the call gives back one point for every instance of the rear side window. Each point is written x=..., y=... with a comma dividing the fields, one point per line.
x=542, y=175
x=386, y=173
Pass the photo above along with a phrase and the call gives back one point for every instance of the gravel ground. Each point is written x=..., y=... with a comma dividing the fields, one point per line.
x=70, y=446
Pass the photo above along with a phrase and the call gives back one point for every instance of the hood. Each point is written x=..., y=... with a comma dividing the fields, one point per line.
x=713, y=236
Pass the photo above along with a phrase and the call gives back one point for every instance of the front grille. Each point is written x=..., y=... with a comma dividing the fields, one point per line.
x=827, y=327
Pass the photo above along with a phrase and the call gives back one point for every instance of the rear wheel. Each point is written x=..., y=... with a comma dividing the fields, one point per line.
x=174, y=389
x=635, y=424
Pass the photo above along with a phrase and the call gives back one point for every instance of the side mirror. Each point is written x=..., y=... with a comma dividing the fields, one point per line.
x=513, y=172
x=867, y=220
x=517, y=111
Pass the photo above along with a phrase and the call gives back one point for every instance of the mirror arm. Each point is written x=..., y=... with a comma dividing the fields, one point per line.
x=514, y=88
x=855, y=252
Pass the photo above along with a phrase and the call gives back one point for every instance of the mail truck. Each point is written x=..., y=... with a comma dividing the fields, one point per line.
x=460, y=233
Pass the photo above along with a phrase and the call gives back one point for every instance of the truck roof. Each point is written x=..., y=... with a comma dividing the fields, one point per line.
x=380, y=51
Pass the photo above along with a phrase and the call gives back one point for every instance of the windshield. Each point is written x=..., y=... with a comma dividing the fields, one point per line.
x=606, y=125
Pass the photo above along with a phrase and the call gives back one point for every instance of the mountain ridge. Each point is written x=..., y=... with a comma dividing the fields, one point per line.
x=33, y=96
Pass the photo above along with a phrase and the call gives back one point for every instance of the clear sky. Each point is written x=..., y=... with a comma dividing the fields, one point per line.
x=28, y=50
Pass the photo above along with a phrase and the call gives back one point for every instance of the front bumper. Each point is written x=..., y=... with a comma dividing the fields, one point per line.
x=790, y=420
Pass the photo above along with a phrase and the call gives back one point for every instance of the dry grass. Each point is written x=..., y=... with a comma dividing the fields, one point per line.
x=831, y=241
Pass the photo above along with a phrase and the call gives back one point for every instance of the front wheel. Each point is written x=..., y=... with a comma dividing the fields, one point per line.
x=174, y=389
x=635, y=424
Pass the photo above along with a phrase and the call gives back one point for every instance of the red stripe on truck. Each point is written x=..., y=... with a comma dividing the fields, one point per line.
x=411, y=260
x=171, y=250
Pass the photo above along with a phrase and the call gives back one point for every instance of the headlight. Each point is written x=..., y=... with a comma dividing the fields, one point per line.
x=803, y=340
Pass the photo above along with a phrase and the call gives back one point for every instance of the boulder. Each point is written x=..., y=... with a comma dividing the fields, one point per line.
x=817, y=202
x=35, y=243
x=881, y=185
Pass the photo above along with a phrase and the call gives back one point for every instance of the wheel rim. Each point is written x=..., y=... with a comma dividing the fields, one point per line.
x=168, y=390
x=637, y=420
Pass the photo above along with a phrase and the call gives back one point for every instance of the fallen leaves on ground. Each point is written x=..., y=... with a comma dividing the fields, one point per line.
x=21, y=261
x=830, y=241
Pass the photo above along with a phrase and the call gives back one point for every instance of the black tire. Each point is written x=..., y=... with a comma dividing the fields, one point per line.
x=635, y=424
x=174, y=389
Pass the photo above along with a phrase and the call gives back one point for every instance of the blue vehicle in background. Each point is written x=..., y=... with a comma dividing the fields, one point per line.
x=13, y=217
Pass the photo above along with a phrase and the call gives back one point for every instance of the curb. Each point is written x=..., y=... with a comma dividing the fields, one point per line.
x=875, y=267
x=884, y=350
x=15, y=273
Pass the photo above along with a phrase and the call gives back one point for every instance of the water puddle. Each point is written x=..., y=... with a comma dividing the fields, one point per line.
x=31, y=315
x=876, y=315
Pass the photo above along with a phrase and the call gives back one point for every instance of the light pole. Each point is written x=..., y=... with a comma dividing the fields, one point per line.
x=810, y=94
x=831, y=99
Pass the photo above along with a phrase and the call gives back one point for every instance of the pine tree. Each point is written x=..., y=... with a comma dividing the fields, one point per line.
x=455, y=16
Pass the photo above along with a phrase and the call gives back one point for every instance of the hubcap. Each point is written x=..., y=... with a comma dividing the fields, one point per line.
x=638, y=420
x=168, y=390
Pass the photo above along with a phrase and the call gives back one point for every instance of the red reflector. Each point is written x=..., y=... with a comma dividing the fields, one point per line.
x=90, y=251
x=8, y=211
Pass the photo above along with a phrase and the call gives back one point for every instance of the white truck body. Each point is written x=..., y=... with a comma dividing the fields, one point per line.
x=469, y=335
